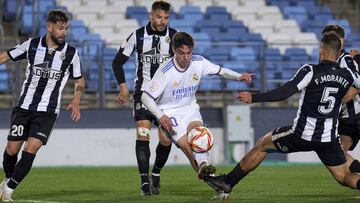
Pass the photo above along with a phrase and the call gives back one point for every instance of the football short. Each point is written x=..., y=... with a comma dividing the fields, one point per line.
x=140, y=111
x=182, y=117
x=286, y=141
x=25, y=123
x=350, y=127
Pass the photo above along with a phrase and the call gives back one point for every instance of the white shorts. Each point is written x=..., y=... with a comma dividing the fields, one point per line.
x=182, y=117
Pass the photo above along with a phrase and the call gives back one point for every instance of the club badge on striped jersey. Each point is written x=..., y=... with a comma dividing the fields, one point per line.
x=62, y=56
x=167, y=39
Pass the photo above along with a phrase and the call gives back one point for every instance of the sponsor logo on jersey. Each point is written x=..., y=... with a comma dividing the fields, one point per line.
x=185, y=92
x=42, y=70
x=154, y=56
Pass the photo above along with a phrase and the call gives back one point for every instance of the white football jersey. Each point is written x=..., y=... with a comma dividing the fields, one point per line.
x=173, y=87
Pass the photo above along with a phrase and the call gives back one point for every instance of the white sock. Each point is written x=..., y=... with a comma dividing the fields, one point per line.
x=201, y=157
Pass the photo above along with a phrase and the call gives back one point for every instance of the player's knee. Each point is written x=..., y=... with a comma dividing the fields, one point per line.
x=142, y=133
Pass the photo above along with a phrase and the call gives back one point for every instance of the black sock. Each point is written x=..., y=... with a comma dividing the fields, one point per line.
x=143, y=155
x=355, y=166
x=358, y=184
x=9, y=164
x=235, y=175
x=22, y=168
x=162, y=155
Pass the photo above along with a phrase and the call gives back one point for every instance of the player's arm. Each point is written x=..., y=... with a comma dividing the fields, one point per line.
x=4, y=57
x=74, y=105
x=232, y=75
x=118, y=69
x=355, y=54
x=350, y=94
x=126, y=49
x=278, y=94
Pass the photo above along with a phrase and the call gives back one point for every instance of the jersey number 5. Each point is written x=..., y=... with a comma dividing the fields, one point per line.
x=328, y=101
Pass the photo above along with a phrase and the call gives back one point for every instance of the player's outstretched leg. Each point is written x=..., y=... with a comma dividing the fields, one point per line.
x=143, y=155
x=162, y=155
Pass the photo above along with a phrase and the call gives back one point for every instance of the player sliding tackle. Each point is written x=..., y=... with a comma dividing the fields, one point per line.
x=170, y=96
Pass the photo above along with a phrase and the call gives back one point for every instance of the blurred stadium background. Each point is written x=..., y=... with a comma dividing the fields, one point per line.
x=271, y=38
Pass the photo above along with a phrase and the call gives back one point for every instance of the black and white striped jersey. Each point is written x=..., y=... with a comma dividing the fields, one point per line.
x=322, y=89
x=351, y=108
x=46, y=74
x=152, y=49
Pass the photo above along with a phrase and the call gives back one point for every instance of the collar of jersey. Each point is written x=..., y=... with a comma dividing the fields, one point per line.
x=179, y=69
x=150, y=31
x=43, y=43
x=330, y=62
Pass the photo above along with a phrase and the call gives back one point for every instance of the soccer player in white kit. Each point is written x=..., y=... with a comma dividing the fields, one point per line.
x=170, y=95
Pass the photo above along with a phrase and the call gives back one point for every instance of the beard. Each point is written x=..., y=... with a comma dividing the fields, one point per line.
x=56, y=40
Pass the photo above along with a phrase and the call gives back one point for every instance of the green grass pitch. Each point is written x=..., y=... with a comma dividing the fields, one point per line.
x=275, y=183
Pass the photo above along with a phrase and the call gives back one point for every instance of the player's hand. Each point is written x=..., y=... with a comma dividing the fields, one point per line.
x=245, y=97
x=166, y=123
x=75, y=110
x=246, y=77
x=354, y=52
x=123, y=96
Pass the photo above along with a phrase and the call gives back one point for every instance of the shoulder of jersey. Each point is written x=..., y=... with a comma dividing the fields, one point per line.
x=168, y=66
x=197, y=58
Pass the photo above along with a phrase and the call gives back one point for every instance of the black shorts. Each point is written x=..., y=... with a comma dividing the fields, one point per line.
x=141, y=112
x=350, y=127
x=25, y=123
x=286, y=141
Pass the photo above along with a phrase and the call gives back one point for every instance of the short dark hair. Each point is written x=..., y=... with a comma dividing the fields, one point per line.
x=331, y=42
x=161, y=5
x=182, y=38
x=57, y=15
x=334, y=28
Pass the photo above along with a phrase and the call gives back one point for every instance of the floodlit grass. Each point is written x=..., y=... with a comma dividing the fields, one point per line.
x=279, y=183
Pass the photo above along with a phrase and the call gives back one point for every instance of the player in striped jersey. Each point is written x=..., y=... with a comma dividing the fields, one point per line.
x=322, y=87
x=152, y=47
x=50, y=62
x=349, y=121
x=170, y=96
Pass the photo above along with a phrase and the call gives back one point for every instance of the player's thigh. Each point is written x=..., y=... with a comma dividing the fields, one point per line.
x=33, y=145
x=19, y=129
x=339, y=172
x=41, y=126
x=330, y=153
x=194, y=124
x=346, y=142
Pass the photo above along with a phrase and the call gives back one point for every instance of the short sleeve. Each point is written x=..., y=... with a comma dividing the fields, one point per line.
x=209, y=68
x=157, y=84
x=128, y=46
x=19, y=51
x=303, y=76
x=76, y=68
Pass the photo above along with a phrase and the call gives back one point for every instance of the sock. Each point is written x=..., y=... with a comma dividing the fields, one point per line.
x=201, y=157
x=21, y=169
x=235, y=175
x=358, y=184
x=142, y=155
x=162, y=155
x=355, y=166
x=9, y=164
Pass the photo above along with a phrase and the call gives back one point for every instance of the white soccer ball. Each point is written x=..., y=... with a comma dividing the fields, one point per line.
x=200, y=139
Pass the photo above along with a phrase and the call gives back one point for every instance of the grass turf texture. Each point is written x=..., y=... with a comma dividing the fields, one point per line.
x=269, y=183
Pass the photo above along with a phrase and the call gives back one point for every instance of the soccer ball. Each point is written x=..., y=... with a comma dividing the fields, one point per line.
x=200, y=139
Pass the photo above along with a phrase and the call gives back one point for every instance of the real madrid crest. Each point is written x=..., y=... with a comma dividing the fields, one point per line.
x=195, y=77
x=167, y=39
x=62, y=56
